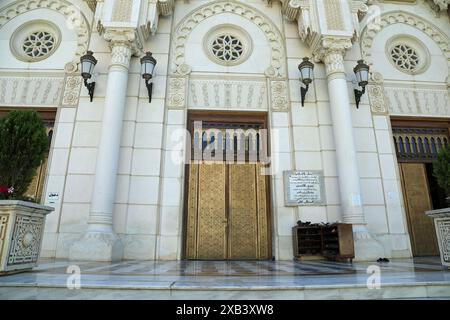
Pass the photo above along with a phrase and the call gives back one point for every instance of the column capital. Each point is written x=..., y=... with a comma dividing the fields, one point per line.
x=331, y=50
x=123, y=43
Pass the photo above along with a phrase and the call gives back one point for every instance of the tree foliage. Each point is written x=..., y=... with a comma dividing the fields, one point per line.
x=441, y=169
x=23, y=146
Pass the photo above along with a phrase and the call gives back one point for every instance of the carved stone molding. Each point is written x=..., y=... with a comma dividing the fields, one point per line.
x=368, y=34
x=334, y=17
x=331, y=50
x=331, y=45
x=166, y=7
x=120, y=55
x=71, y=12
x=210, y=93
x=439, y=5
x=375, y=91
x=122, y=10
x=176, y=97
x=92, y=4
x=123, y=43
x=185, y=27
x=31, y=91
x=127, y=12
x=28, y=230
x=292, y=8
x=71, y=90
x=279, y=95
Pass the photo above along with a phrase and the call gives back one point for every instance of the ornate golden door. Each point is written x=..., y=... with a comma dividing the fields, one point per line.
x=227, y=212
x=417, y=201
x=227, y=200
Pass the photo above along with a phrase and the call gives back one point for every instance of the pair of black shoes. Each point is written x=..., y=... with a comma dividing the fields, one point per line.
x=383, y=260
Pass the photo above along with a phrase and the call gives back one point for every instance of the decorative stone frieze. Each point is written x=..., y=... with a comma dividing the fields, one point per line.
x=31, y=90
x=430, y=100
x=235, y=93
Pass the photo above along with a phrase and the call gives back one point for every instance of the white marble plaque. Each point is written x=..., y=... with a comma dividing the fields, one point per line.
x=304, y=188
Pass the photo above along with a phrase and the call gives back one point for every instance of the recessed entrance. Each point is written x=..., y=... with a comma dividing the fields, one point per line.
x=227, y=206
x=417, y=145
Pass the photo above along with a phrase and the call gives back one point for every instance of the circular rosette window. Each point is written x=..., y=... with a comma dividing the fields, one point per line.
x=35, y=41
x=408, y=54
x=228, y=45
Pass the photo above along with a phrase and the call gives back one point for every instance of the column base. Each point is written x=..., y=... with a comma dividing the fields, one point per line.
x=367, y=248
x=97, y=246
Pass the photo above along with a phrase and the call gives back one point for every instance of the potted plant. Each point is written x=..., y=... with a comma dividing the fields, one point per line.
x=23, y=146
x=441, y=217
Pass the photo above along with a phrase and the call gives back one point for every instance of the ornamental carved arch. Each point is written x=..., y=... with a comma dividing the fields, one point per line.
x=372, y=29
x=73, y=14
x=277, y=67
x=386, y=97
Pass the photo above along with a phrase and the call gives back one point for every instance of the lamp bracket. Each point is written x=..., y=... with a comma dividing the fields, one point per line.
x=90, y=87
x=303, y=91
x=149, y=86
x=358, y=95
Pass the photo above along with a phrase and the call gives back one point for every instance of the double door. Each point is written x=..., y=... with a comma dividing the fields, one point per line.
x=227, y=212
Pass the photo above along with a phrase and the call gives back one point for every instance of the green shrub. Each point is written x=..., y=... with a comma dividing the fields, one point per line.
x=23, y=146
x=441, y=169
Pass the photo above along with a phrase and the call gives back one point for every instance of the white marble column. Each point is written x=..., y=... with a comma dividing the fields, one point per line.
x=366, y=248
x=100, y=243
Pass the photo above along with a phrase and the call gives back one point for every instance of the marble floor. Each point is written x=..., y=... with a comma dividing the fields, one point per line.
x=400, y=278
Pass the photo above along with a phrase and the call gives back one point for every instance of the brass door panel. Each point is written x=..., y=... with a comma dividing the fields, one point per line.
x=211, y=212
x=191, y=225
x=227, y=212
x=262, y=212
x=243, y=222
x=417, y=201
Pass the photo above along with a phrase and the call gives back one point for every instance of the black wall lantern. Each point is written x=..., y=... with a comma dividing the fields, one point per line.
x=306, y=74
x=88, y=63
x=148, y=64
x=362, y=76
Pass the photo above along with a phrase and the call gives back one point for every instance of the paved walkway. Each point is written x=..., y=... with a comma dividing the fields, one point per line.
x=400, y=278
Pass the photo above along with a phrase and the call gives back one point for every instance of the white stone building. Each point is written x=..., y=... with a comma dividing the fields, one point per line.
x=111, y=174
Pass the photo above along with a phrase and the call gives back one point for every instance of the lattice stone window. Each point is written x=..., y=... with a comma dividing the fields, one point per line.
x=405, y=57
x=35, y=40
x=38, y=44
x=227, y=45
x=227, y=48
x=408, y=54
